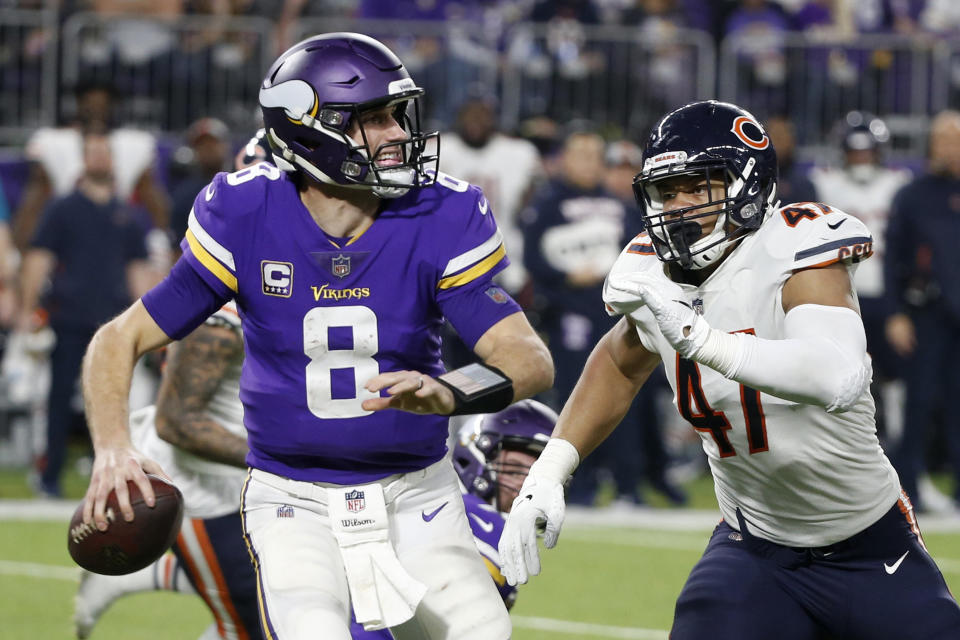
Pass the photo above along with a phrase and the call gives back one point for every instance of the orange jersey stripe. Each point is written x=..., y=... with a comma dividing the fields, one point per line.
x=201, y=532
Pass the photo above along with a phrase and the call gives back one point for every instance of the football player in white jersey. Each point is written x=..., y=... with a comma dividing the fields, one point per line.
x=751, y=308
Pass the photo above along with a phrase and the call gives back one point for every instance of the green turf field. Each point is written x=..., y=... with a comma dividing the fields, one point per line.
x=598, y=583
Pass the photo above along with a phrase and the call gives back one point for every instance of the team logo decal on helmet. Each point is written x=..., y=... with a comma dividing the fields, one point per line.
x=750, y=133
x=297, y=99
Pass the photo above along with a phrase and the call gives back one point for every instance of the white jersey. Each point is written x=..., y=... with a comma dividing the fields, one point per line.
x=60, y=153
x=505, y=168
x=802, y=477
x=210, y=489
x=870, y=202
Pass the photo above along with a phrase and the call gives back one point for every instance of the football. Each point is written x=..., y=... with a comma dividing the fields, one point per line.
x=126, y=547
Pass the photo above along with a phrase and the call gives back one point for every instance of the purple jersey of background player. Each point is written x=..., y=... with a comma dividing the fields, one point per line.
x=323, y=315
x=486, y=523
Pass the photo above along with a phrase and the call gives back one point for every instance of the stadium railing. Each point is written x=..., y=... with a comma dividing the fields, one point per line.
x=815, y=80
x=28, y=71
x=621, y=78
x=170, y=72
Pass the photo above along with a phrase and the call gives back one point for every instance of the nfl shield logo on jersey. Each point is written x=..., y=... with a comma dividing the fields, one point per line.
x=340, y=266
x=355, y=501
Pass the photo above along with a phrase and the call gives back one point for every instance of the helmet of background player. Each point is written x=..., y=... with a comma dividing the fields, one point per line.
x=256, y=150
x=863, y=136
x=482, y=453
x=725, y=144
x=313, y=95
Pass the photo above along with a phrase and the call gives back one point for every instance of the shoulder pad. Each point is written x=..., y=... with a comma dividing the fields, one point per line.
x=818, y=235
x=219, y=222
x=470, y=243
x=638, y=255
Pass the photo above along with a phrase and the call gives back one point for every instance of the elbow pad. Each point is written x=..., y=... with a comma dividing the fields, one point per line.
x=839, y=344
x=821, y=360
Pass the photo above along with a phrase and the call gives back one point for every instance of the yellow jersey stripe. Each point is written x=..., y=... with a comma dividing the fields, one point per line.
x=494, y=571
x=475, y=271
x=210, y=262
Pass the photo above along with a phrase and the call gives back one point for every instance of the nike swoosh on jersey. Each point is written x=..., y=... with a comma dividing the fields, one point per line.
x=483, y=524
x=427, y=517
x=892, y=568
x=210, y=191
x=837, y=225
x=482, y=204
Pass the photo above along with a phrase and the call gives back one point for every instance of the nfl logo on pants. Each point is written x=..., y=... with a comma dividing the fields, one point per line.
x=355, y=501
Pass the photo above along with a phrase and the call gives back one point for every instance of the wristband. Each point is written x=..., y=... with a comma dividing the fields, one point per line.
x=478, y=388
x=557, y=462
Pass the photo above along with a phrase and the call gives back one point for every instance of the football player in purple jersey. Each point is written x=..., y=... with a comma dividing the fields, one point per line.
x=492, y=456
x=750, y=307
x=344, y=258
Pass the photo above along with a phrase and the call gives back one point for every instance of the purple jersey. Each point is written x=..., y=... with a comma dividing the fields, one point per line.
x=321, y=315
x=486, y=523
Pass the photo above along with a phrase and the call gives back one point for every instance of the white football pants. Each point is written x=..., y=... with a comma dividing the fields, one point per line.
x=304, y=591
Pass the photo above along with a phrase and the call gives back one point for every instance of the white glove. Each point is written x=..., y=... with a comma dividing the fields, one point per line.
x=683, y=328
x=540, y=502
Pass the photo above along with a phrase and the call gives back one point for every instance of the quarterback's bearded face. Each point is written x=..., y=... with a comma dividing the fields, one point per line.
x=382, y=135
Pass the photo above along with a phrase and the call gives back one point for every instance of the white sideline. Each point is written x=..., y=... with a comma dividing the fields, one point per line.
x=602, y=518
x=584, y=628
x=36, y=570
x=580, y=629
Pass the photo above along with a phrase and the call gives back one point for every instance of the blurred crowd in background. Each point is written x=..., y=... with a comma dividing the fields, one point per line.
x=114, y=114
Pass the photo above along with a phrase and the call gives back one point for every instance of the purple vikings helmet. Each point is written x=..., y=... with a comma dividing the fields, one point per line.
x=724, y=144
x=524, y=426
x=314, y=93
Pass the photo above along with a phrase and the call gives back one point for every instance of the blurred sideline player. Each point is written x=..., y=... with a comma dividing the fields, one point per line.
x=864, y=188
x=751, y=309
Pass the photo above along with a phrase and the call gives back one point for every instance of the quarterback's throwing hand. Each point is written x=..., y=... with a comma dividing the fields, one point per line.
x=540, y=501
x=410, y=391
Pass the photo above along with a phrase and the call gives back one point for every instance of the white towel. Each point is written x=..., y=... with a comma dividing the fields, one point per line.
x=383, y=593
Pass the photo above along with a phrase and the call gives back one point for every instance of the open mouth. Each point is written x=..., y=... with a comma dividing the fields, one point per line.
x=388, y=159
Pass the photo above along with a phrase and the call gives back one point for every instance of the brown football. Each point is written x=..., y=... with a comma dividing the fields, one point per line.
x=126, y=547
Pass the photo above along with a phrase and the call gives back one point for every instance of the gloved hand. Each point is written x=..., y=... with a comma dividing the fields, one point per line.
x=540, y=502
x=684, y=329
